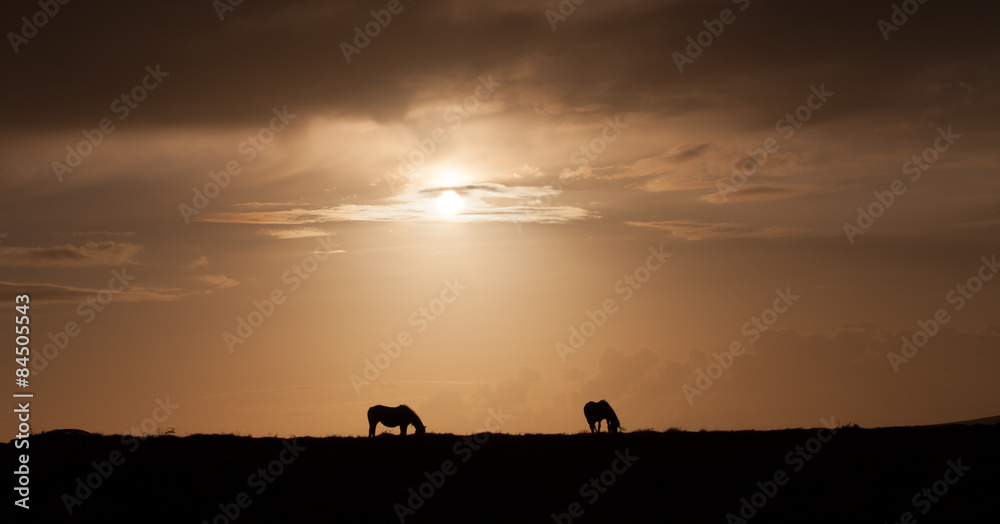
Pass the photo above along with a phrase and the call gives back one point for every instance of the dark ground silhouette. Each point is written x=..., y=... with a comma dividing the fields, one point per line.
x=857, y=475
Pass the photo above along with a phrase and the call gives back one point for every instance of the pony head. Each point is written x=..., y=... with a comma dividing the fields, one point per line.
x=419, y=429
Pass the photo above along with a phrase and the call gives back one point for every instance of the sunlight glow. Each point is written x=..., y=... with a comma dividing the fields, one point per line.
x=444, y=175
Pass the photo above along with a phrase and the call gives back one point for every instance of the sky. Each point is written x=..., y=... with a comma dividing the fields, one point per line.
x=265, y=218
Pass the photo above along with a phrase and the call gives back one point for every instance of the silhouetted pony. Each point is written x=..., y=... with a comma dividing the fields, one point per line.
x=400, y=416
x=598, y=411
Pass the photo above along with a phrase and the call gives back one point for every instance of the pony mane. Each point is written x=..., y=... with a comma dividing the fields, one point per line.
x=410, y=412
x=611, y=414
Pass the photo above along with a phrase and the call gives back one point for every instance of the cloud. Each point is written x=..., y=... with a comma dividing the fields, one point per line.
x=101, y=233
x=87, y=255
x=618, y=371
x=754, y=193
x=620, y=70
x=792, y=379
x=684, y=167
x=219, y=281
x=574, y=375
x=699, y=166
x=685, y=152
x=285, y=234
x=486, y=202
x=688, y=167
x=666, y=162
x=694, y=230
x=258, y=205
x=988, y=223
x=55, y=293
x=510, y=391
x=466, y=411
x=198, y=262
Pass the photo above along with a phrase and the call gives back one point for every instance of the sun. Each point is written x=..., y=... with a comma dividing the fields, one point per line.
x=449, y=203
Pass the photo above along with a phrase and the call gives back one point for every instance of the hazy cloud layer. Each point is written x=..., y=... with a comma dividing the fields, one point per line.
x=68, y=255
x=290, y=233
x=589, y=128
x=789, y=379
x=482, y=203
x=613, y=58
x=219, y=281
x=693, y=230
x=54, y=293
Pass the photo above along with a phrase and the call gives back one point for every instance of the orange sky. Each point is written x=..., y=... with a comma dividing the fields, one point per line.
x=583, y=157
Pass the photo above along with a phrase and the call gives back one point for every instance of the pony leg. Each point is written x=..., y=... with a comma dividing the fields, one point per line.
x=371, y=429
x=598, y=426
x=402, y=428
